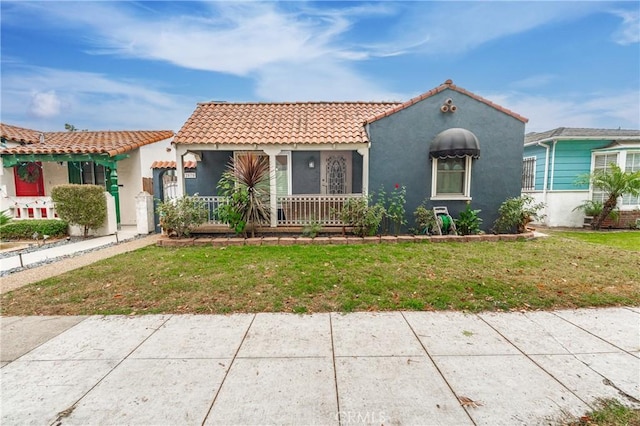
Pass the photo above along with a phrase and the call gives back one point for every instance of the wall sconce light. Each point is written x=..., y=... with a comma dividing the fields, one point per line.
x=312, y=163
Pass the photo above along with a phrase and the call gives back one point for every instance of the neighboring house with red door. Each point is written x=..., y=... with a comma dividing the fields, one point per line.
x=33, y=162
x=323, y=153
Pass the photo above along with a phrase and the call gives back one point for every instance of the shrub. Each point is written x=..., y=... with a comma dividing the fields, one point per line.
x=426, y=222
x=24, y=229
x=594, y=208
x=181, y=216
x=394, y=208
x=364, y=219
x=515, y=213
x=82, y=205
x=469, y=222
x=312, y=229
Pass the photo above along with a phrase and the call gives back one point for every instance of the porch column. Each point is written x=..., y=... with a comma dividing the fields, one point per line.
x=365, y=169
x=113, y=190
x=273, y=191
x=180, y=152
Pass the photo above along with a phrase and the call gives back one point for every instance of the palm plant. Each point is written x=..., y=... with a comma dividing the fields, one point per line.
x=246, y=184
x=614, y=183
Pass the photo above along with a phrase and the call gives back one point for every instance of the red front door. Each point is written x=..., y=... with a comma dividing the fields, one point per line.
x=29, y=180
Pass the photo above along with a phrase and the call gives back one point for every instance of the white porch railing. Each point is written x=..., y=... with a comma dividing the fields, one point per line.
x=295, y=210
x=300, y=210
x=212, y=203
x=32, y=208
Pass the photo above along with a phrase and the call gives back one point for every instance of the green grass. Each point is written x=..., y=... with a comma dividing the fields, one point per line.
x=609, y=413
x=628, y=240
x=555, y=272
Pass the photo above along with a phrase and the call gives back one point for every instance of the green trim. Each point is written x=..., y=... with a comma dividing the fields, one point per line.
x=10, y=160
x=114, y=190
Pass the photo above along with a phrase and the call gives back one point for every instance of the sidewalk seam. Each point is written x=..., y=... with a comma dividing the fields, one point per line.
x=235, y=355
x=68, y=411
x=537, y=364
x=335, y=370
x=436, y=367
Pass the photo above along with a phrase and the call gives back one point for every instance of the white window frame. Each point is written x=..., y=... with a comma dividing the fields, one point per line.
x=621, y=161
x=624, y=205
x=466, y=190
x=236, y=154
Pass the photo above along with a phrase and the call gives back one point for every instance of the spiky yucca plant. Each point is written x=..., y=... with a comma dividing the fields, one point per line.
x=247, y=175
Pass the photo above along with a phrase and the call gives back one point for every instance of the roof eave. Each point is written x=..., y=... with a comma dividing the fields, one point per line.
x=583, y=138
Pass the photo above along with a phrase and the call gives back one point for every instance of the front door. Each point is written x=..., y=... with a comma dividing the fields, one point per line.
x=29, y=180
x=335, y=172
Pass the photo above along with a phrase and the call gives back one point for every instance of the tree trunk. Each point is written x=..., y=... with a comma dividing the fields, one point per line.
x=607, y=208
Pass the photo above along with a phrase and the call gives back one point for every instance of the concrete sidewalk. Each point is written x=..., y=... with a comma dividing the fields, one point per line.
x=375, y=368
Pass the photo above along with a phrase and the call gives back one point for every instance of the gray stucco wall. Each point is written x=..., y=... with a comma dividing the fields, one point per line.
x=208, y=172
x=303, y=179
x=400, y=153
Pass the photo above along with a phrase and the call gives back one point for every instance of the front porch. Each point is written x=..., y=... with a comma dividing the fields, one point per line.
x=292, y=214
x=306, y=187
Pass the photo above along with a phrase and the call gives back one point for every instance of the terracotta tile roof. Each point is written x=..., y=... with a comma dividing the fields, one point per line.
x=447, y=85
x=98, y=142
x=581, y=133
x=280, y=123
x=172, y=165
x=18, y=134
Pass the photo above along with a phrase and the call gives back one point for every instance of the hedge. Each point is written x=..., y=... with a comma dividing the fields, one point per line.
x=82, y=205
x=24, y=229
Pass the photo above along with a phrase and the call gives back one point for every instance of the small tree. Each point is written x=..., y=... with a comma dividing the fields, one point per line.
x=82, y=205
x=614, y=183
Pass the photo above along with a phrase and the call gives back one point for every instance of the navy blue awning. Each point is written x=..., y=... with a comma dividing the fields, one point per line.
x=455, y=143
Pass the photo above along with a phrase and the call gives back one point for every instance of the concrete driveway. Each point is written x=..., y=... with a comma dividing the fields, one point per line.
x=363, y=368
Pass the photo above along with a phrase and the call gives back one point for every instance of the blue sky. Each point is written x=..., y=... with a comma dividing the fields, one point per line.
x=144, y=65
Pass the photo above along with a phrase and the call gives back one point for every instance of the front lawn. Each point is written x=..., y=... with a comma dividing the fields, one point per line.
x=628, y=240
x=541, y=274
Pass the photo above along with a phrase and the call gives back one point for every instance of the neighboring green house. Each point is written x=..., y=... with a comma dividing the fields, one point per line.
x=553, y=161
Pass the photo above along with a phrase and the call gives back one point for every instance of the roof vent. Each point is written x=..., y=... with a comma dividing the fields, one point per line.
x=42, y=138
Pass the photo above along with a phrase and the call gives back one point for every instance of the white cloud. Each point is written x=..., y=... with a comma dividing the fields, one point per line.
x=595, y=110
x=629, y=30
x=45, y=104
x=456, y=27
x=45, y=99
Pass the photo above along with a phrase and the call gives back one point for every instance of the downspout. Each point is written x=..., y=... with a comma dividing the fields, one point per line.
x=546, y=176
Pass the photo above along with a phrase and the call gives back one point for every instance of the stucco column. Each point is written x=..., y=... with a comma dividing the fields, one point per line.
x=180, y=152
x=273, y=189
x=365, y=169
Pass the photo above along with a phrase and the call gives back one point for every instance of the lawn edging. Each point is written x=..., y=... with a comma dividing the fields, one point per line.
x=165, y=241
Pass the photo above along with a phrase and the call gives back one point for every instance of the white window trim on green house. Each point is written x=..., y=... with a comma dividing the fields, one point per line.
x=627, y=160
x=437, y=177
